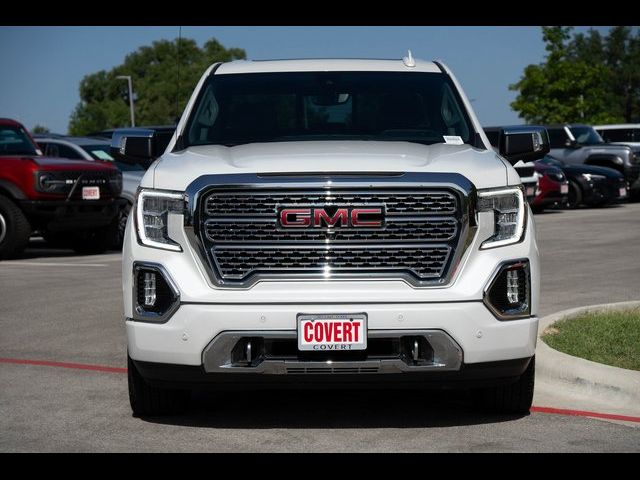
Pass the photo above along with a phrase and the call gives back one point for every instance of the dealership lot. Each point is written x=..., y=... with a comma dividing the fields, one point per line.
x=58, y=307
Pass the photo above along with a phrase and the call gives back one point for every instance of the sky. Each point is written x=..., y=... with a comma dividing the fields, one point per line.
x=43, y=66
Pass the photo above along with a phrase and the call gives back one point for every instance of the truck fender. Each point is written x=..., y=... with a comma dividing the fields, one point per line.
x=12, y=190
x=606, y=160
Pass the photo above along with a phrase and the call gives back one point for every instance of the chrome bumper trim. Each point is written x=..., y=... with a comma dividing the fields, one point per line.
x=216, y=357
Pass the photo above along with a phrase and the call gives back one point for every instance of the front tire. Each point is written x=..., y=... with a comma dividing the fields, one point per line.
x=123, y=215
x=15, y=229
x=513, y=398
x=575, y=196
x=153, y=401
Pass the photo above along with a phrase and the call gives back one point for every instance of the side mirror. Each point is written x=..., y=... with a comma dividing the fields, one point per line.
x=526, y=143
x=571, y=143
x=135, y=146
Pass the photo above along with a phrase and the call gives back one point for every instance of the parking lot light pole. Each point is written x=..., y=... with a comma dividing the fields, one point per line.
x=128, y=79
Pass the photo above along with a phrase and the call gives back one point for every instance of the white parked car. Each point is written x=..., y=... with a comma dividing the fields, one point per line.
x=320, y=222
x=624, y=133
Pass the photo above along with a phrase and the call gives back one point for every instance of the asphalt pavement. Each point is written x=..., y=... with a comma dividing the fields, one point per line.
x=59, y=307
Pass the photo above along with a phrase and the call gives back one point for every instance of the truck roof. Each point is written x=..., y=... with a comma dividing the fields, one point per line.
x=616, y=126
x=75, y=140
x=569, y=125
x=9, y=121
x=326, y=65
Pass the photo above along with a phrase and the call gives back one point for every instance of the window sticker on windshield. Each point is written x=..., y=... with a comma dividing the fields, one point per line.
x=102, y=155
x=452, y=139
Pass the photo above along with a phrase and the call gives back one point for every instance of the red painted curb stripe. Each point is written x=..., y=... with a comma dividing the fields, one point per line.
x=583, y=413
x=74, y=366
x=103, y=368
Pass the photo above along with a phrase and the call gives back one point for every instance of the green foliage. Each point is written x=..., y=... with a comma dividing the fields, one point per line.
x=40, y=129
x=609, y=337
x=585, y=78
x=104, y=99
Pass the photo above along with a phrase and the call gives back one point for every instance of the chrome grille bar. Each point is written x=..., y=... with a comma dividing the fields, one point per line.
x=398, y=202
x=265, y=230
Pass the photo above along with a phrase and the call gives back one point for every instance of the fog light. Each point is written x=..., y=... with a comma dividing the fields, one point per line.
x=508, y=294
x=149, y=289
x=156, y=296
x=512, y=286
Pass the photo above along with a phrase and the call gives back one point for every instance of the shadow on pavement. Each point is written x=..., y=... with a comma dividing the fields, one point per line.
x=39, y=248
x=549, y=211
x=330, y=409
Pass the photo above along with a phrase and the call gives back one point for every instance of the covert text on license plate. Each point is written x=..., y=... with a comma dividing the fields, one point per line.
x=332, y=332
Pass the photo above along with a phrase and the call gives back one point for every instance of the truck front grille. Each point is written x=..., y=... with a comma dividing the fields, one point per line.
x=243, y=238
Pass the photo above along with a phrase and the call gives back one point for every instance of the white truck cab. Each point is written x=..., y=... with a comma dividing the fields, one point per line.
x=318, y=223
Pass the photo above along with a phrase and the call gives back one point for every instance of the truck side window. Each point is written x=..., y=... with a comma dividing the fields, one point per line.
x=68, y=152
x=557, y=138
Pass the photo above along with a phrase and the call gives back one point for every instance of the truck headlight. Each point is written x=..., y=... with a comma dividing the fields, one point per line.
x=152, y=217
x=508, y=208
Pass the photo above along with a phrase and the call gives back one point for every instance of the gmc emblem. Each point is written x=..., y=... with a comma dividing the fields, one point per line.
x=330, y=217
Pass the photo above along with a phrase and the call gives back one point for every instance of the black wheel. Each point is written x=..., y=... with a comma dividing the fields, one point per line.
x=513, y=398
x=152, y=401
x=123, y=215
x=93, y=242
x=14, y=229
x=574, y=198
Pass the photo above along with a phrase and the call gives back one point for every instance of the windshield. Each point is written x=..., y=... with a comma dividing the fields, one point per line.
x=280, y=107
x=15, y=141
x=101, y=152
x=586, y=135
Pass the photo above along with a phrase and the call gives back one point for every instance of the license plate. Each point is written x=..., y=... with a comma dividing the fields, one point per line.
x=91, y=193
x=564, y=189
x=530, y=191
x=332, y=332
x=623, y=192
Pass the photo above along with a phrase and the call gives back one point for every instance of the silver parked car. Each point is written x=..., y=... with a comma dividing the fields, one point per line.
x=96, y=149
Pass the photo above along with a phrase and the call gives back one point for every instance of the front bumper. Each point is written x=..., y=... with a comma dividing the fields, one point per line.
x=185, y=336
x=603, y=192
x=550, y=197
x=63, y=215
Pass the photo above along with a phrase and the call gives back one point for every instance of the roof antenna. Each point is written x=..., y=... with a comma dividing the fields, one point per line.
x=178, y=65
x=408, y=60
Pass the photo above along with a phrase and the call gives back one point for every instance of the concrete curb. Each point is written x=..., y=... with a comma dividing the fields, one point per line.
x=584, y=380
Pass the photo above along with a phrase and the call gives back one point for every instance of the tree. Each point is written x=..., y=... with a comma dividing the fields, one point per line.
x=619, y=52
x=159, y=95
x=40, y=129
x=564, y=88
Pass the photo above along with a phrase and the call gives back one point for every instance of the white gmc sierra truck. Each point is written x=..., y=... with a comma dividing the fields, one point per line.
x=318, y=223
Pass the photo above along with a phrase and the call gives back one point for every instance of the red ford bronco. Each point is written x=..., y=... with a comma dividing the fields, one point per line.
x=71, y=202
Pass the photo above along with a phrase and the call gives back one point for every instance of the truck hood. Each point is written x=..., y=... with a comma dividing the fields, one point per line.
x=579, y=169
x=607, y=148
x=175, y=171
x=55, y=163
